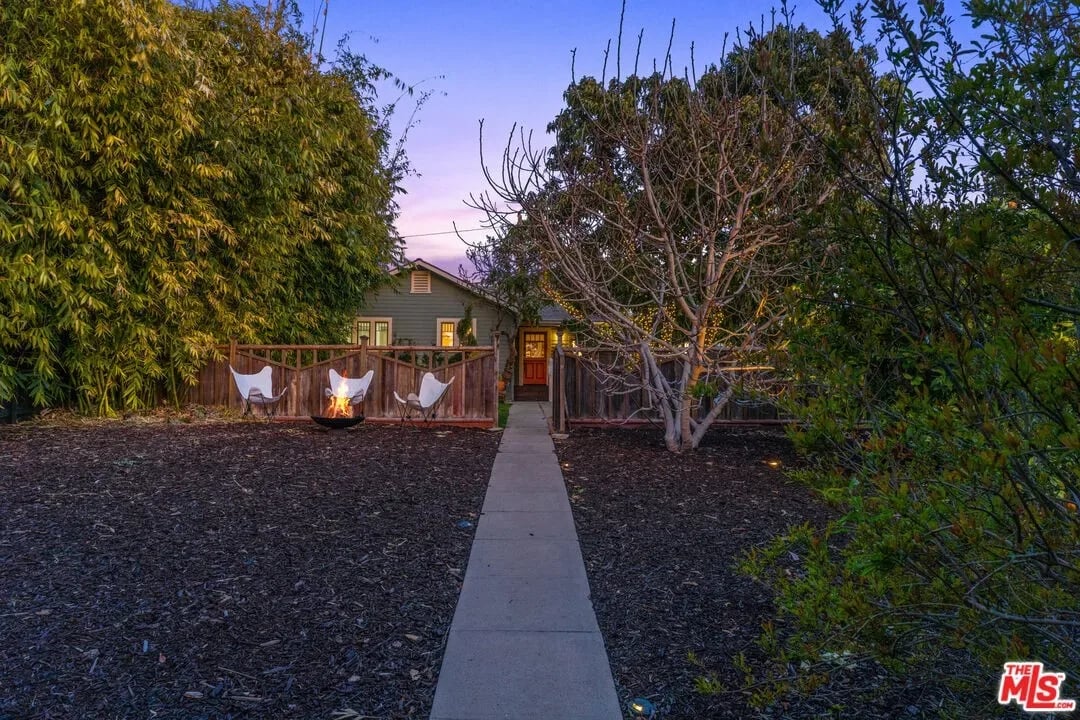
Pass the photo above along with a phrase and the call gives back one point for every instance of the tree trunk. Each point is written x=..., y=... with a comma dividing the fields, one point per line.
x=718, y=404
x=685, y=435
x=671, y=437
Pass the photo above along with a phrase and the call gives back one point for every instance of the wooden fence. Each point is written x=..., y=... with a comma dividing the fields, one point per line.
x=303, y=369
x=579, y=397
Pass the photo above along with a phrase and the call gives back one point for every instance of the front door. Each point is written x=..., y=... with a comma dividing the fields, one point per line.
x=535, y=358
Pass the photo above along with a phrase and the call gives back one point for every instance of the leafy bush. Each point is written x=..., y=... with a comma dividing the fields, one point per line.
x=171, y=178
x=942, y=346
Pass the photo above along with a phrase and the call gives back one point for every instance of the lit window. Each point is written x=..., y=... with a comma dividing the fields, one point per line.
x=446, y=331
x=382, y=333
x=377, y=331
x=535, y=345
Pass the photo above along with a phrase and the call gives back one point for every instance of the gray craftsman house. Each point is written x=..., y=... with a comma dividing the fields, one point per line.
x=425, y=305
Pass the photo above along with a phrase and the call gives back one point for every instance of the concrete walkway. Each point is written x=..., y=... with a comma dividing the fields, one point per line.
x=524, y=642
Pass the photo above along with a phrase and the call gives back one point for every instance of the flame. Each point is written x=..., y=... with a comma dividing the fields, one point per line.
x=339, y=401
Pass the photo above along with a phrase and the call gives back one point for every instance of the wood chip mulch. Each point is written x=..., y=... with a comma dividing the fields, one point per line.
x=661, y=534
x=231, y=570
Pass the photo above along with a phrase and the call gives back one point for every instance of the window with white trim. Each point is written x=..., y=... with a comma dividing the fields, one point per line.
x=421, y=281
x=446, y=334
x=379, y=330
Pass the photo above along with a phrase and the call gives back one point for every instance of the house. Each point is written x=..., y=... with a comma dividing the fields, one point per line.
x=425, y=305
x=536, y=348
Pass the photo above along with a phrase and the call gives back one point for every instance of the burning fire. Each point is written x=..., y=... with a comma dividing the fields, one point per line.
x=339, y=401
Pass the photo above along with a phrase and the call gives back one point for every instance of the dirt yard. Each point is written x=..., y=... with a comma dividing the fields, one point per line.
x=660, y=534
x=231, y=570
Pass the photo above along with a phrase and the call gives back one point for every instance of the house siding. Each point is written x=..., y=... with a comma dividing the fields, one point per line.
x=414, y=314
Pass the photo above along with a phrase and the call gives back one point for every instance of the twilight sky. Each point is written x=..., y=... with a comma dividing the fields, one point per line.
x=506, y=61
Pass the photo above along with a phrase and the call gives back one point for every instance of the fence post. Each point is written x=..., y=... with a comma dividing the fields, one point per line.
x=558, y=394
x=364, y=367
x=228, y=381
x=495, y=372
x=296, y=384
x=363, y=355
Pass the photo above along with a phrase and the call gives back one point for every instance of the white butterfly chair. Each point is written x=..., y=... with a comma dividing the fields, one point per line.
x=257, y=389
x=353, y=388
x=432, y=391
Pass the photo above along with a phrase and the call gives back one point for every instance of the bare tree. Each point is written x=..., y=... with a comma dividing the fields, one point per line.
x=503, y=267
x=662, y=216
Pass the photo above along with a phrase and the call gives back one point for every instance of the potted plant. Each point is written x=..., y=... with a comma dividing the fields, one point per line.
x=506, y=375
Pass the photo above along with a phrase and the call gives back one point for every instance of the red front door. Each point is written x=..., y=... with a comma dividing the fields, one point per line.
x=535, y=358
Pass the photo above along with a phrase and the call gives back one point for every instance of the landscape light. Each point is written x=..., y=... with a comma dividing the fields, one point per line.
x=774, y=463
x=643, y=707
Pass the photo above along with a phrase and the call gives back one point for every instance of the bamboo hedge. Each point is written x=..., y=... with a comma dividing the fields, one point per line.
x=171, y=176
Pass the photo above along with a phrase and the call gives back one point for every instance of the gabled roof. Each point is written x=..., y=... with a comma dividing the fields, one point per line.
x=421, y=264
x=553, y=315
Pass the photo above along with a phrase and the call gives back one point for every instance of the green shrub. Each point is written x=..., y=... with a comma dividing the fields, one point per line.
x=938, y=355
x=171, y=178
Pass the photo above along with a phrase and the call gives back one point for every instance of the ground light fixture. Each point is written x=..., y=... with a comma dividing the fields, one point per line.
x=642, y=708
x=774, y=463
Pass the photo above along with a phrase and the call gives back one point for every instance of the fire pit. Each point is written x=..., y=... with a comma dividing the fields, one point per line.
x=338, y=423
x=339, y=413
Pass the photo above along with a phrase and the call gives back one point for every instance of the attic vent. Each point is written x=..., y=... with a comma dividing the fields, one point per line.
x=421, y=281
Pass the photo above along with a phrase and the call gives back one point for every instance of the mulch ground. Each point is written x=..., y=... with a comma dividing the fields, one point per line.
x=661, y=534
x=239, y=570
